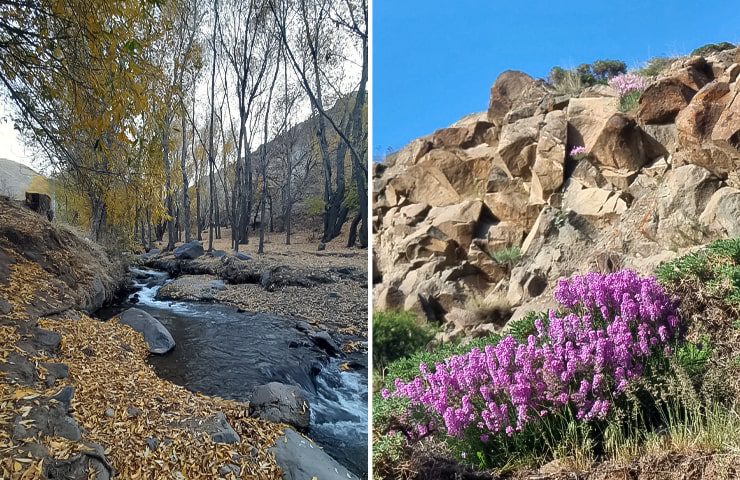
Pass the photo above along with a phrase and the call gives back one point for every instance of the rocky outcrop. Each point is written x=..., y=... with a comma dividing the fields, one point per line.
x=451, y=208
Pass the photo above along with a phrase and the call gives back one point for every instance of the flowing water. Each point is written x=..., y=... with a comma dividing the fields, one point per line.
x=225, y=352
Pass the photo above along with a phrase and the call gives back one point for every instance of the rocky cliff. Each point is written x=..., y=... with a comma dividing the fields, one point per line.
x=495, y=208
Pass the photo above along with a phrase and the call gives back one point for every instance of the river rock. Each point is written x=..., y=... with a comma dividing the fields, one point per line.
x=324, y=341
x=84, y=465
x=216, y=426
x=157, y=337
x=189, y=251
x=54, y=372
x=280, y=403
x=19, y=369
x=151, y=253
x=301, y=459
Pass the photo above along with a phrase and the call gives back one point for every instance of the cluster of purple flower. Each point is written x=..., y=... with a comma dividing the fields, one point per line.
x=577, y=152
x=626, y=83
x=583, y=357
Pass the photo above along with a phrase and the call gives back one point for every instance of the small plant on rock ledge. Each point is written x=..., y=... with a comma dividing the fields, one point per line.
x=507, y=256
x=629, y=86
x=578, y=153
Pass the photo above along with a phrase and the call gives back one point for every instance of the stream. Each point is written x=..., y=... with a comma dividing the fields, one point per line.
x=225, y=352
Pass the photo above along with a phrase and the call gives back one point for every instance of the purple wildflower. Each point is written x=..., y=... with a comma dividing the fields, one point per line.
x=626, y=83
x=582, y=356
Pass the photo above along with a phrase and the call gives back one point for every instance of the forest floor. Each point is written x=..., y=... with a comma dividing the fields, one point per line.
x=339, y=305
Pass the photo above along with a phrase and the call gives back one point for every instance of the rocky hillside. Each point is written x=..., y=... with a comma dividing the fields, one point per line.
x=495, y=208
x=16, y=179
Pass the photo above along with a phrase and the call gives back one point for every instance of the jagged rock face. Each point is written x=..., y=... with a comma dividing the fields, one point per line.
x=653, y=182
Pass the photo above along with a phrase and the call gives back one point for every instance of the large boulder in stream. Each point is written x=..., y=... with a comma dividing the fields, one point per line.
x=280, y=403
x=189, y=251
x=301, y=459
x=157, y=337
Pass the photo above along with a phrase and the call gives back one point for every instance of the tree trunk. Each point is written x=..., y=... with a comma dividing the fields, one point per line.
x=149, y=228
x=353, y=231
x=272, y=217
x=168, y=185
x=98, y=217
x=211, y=160
x=185, y=195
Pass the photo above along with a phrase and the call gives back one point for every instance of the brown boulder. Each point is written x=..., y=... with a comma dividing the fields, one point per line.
x=459, y=221
x=512, y=203
x=592, y=202
x=619, y=144
x=440, y=177
x=480, y=258
x=465, y=136
x=722, y=213
x=512, y=90
x=589, y=175
x=503, y=235
x=464, y=174
x=517, y=144
x=713, y=107
x=726, y=132
x=427, y=242
x=696, y=122
x=547, y=171
x=587, y=118
x=409, y=154
x=665, y=135
x=681, y=198
x=662, y=100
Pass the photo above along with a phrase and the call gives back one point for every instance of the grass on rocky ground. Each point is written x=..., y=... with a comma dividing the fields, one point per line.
x=681, y=420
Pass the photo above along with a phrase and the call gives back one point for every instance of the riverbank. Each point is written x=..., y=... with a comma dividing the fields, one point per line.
x=301, y=311
x=79, y=397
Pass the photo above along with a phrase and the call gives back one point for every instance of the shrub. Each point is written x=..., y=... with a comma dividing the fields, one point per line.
x=566, y=82
x=705, y=50
x=407, y=367
x=315, y=205
x=397, y=334
x=577, y=362
x=655, y=66
x=603, y=70
x=693, y=357
x=585, y=75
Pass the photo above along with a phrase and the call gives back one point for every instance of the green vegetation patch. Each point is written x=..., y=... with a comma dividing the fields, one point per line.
x=396, y=334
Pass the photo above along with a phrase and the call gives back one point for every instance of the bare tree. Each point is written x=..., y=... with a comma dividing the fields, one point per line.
x=318, y=19
x=211, y=159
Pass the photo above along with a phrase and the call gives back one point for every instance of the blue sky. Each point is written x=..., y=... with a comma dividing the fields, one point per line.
x=434, y=61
